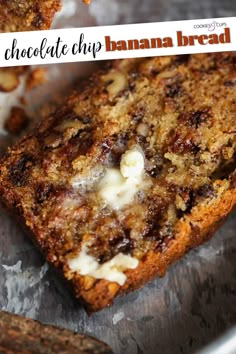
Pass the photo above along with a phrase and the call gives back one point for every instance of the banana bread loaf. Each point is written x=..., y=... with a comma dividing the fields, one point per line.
x=135, y=169
x=20, y=335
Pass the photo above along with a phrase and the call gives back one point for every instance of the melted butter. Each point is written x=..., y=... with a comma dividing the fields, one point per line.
x=119, y=186
x=132, y=164
x=113, y=270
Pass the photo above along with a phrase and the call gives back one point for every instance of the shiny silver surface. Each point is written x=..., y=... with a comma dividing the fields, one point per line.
x=226, y=344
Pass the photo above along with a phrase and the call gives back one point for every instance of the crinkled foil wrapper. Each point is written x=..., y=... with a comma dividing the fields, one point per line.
x=196, y=301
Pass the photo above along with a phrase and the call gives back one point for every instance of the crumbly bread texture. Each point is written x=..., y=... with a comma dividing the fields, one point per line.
x=177, y=116
x=27, y=15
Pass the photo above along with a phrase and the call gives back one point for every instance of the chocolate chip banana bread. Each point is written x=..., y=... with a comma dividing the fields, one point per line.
x=135, y=169
x=27, y=15
x=19, y=335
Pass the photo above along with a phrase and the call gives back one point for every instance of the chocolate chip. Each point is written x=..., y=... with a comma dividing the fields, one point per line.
x=205, y=191
x=233, y=180
x=119, y=147
x=156, y=209
x=179, y=144
x=85, y=119
x=190, y=202
x=182, y=59
x=194, y=118
x=172, y=90
x=18, y=172
x=122, y=243
x=42, y=192
x=230, y=83
x=131, y=86
x=155, y=172
x=138, y=114
x=85, y=142
x=155, y=165
x=68, y=115
x=106, y=146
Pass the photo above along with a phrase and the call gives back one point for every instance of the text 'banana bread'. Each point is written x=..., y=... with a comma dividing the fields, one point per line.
x=135, y=169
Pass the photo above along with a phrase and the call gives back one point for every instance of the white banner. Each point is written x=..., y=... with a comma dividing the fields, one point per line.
x=115, y=42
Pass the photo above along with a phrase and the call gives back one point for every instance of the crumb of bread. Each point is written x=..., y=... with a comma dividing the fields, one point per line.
x=16, y=121
x=35, y=78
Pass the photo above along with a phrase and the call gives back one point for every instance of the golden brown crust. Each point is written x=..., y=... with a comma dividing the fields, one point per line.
x=27, y=15
x=180, y=111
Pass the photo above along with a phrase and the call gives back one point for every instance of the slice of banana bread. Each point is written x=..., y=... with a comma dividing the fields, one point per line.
x=20, y=335
x=135, y=169
x=27, y=15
